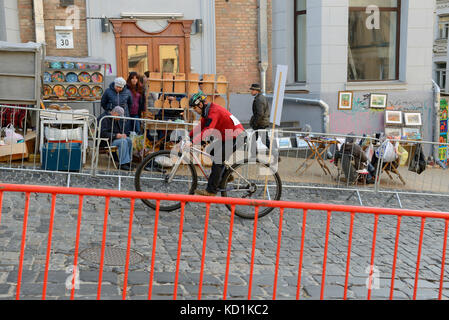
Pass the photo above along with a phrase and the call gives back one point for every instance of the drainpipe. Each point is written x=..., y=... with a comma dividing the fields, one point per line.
x=323, y=105
x=38, y=11
x=263, y=44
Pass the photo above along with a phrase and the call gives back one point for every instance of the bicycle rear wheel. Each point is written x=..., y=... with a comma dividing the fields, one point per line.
x=152, y=175
x=252, y=180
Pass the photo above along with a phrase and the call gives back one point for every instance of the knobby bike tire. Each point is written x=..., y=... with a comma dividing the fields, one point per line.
x=261, y=213
x=137, y=180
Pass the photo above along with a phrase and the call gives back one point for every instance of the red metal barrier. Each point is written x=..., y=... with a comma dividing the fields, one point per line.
x=108, y=194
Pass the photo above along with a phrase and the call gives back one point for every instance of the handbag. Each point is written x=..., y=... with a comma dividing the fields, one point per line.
x=418, y=161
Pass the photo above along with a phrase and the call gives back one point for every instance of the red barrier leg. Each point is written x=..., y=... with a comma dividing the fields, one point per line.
x=278, y=251
x=181, y=225
x=153, y=250
x=22, y=247
x=103, y=245
x=398, y=227
x=351, y=228
x=323, y=275
x=203, y=256
x=303, y=234
x=128, y=248
x=228, y=257
x=77, y=243
x=50, y=232
x=250, y=284
x=418, y=260
x=443, y=259
x=1, y=204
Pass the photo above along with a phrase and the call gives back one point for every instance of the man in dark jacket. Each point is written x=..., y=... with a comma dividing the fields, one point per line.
x=114, y=130
x=117, y=95
x=260, y=119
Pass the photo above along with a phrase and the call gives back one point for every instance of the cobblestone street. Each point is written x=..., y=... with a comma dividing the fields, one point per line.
x=64, y=232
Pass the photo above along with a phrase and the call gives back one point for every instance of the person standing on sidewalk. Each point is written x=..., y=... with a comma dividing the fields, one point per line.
x=260, y=119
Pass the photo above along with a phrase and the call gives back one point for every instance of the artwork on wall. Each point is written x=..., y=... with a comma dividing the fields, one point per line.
x=345, y=100
x=284, y=143
x=412, y=133
x=443, y=129
x=393, y=132
x=412, y=119
x=393, y=117
x=378, y=100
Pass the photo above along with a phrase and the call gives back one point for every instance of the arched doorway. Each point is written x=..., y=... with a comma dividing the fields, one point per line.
x=140, y=51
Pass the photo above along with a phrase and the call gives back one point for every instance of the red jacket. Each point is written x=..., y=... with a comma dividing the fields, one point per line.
x=218, y=118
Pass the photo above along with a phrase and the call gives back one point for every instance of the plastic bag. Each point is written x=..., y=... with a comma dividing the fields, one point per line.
x=11, y=135
x=387, y=152
x=369, y=152
x=403, y=155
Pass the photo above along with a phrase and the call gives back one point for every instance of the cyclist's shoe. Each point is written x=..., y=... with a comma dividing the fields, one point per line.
x=205, y=193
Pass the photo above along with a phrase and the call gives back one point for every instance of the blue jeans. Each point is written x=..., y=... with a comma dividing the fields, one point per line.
x=124, y=146
x=134, y=125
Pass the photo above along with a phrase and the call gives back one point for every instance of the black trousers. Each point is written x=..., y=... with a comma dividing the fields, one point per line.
x=265, y=140
x=221, y=151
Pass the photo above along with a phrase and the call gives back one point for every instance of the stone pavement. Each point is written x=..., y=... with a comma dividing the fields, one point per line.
x=63, y=246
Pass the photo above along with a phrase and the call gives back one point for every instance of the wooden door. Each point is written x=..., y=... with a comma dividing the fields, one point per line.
x=164, y=51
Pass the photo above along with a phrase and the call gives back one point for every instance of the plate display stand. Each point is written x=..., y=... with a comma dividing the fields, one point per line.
x=73, y=79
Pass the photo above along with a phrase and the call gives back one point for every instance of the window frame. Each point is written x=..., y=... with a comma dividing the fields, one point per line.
x=441, y=75
x=398, y=10
x=296, y=14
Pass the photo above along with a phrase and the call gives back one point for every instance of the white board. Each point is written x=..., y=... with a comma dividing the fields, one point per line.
x=278, y=94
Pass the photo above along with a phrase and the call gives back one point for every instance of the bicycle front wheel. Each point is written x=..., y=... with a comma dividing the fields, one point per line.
x=158, y=173
x=252, y=180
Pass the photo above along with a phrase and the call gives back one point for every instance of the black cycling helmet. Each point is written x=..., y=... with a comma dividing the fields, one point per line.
x=196, y=99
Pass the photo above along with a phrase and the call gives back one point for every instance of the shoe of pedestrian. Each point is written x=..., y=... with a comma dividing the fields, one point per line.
x=205, y=193
x=231, y=178
x=126, y=167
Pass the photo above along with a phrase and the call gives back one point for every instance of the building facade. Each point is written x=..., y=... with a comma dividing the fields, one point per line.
x=330, y=46
x=440, y=49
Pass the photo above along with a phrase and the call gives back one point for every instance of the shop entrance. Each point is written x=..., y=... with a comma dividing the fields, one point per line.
x=167, y=51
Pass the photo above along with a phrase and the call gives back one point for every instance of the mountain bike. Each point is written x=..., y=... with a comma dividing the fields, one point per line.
x=177, y=172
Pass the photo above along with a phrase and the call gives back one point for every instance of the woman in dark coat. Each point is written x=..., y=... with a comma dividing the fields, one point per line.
x=138, y=97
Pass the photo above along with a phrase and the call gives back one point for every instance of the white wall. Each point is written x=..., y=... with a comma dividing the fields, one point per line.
x=9, y=21
x=202, y=45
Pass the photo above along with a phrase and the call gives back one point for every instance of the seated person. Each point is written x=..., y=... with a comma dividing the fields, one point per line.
x=114, y=129
x=360, y=159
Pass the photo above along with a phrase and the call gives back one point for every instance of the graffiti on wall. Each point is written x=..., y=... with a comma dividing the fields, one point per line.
x=362, y=119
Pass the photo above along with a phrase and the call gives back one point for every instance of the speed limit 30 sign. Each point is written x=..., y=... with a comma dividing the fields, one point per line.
x=64, y=37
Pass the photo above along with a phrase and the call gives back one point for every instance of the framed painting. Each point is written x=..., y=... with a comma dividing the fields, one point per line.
x=378, y=100
x=345, y=100
x=393, y=132
x=412, y=133
x=412, y=119
x=393, y=117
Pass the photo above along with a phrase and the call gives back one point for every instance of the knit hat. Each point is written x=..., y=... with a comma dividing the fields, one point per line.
x=120, y=82
x=119, y=110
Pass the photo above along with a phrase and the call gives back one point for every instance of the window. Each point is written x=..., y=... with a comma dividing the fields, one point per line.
x=373, y=50
x=300, y=40
x=443, y=27
x=440, y=76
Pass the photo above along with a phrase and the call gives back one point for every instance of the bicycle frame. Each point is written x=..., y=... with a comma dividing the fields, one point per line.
x=192, y=151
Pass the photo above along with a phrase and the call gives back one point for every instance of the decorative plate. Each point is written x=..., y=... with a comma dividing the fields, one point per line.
x=94, y=66
x=47, y=90
x=97, y=91
x=81, y=66
x=97, y=77
x=58, y=90
x=84, y=77
x=55, y=65
x=57, y=76
x=69, y=65
x=71, y=77
x=47, y=77
x=71, y=91
x=84, y=91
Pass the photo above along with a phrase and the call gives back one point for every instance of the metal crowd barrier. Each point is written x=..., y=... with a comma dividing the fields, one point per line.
x=66, y=129
x=309, y=160
x=422, y=259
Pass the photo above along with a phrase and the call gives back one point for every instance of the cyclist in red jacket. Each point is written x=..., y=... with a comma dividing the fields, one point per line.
x=219, y=123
